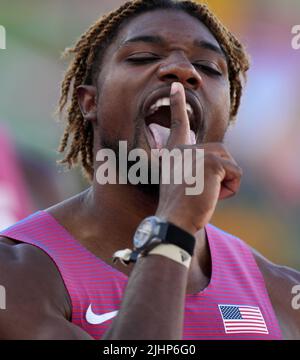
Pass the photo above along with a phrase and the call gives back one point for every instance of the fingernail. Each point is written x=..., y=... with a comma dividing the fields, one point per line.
x=174, y=88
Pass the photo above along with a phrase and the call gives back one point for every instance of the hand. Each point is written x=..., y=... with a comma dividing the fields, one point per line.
x=222, y=175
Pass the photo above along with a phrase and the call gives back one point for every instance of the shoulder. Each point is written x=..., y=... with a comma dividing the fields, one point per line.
x=276, y=276
x=31, y=281
x=30, y=264
x=283, y=286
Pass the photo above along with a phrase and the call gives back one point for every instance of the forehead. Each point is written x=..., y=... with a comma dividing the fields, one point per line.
x=173, y=25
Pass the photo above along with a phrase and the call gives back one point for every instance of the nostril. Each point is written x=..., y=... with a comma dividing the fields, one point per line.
x=192, y=81
x=171, y=77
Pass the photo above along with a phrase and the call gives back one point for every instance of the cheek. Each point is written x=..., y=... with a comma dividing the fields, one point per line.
x=221, y=97
x=218, y=116
x=113, y=111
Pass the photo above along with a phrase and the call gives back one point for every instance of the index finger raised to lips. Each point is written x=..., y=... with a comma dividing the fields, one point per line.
x=180, y=125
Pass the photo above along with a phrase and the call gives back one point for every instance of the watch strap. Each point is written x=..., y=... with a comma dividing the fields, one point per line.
x=172, y=252
x=126, y=256
x=177, y=236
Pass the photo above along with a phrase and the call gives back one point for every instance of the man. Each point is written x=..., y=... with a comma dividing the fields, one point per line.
x=196, y=282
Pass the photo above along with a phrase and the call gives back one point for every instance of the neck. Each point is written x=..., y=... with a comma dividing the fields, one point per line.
x=122, y=205
x=117, y=210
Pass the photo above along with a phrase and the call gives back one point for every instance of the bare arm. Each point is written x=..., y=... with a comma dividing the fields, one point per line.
x=36, y=301
x=280, y=282
x=153, y=304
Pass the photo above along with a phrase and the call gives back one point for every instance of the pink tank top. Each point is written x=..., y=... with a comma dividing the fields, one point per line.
x=235, y=304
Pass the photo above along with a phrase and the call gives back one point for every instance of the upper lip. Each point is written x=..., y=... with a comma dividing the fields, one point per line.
x=191, y=98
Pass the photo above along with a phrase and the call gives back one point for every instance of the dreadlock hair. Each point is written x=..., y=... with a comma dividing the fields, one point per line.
x=86, y=65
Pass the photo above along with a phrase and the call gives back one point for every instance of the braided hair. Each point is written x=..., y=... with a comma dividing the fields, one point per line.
x=86, y=64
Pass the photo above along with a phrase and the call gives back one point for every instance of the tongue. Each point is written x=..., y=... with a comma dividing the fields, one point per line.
x=161, y=135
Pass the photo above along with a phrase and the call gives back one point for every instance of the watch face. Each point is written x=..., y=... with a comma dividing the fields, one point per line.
x=144, y=232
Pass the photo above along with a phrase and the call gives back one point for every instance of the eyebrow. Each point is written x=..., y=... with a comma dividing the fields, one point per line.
x=158, y=40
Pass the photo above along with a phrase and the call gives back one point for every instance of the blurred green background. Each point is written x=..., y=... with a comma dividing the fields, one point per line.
x=265, y=140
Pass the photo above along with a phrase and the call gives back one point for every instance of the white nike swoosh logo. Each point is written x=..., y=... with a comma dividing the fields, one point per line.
x=96, y=319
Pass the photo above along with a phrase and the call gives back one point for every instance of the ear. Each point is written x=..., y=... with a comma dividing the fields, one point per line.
x=87, y=99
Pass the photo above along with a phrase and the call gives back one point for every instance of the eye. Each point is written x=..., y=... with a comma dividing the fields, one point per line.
x=142, y=58
x=208, y=69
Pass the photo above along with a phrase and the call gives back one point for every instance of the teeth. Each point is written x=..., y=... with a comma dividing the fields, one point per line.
x=163, y=102
x=166, y=102
x=159, y=103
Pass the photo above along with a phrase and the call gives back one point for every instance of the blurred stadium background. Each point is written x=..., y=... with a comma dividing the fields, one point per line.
x=265, y=140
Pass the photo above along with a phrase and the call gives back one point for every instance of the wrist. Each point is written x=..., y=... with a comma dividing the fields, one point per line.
x=153, y=231
x=178, y=221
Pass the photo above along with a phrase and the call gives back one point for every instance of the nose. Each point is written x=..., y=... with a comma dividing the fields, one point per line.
x=180, y=70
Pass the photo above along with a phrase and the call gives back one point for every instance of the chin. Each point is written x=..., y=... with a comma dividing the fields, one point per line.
x=148, y=189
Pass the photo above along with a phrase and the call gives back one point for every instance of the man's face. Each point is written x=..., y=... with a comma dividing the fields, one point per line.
x=149, y=53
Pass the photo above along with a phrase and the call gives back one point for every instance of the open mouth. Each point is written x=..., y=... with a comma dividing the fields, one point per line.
x=158, y=120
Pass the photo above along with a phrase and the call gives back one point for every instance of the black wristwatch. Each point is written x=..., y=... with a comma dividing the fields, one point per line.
x=154, y=231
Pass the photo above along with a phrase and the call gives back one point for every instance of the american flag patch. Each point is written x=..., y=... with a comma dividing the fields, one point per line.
x=242, y=319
